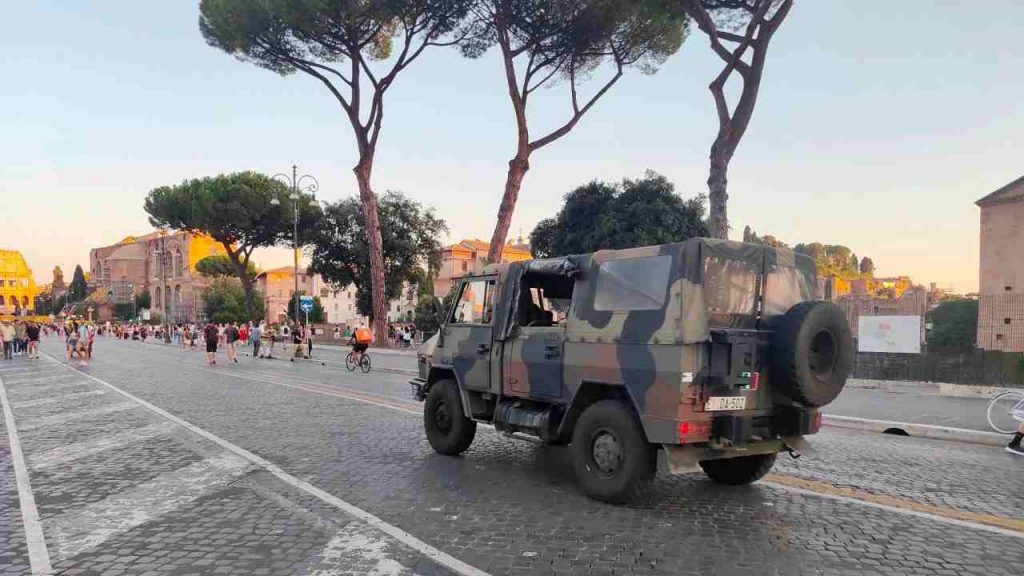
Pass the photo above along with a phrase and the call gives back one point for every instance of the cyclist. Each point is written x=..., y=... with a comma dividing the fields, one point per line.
x=1014, y=446
x=360, y=341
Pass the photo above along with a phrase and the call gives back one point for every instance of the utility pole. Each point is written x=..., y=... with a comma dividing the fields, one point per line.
x=296, y=185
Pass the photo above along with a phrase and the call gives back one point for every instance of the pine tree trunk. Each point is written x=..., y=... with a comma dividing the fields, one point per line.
x=517, y=168
x=718, y=195
x=368, y=199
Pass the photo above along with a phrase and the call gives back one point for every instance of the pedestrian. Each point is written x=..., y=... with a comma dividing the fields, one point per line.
x=273, y=337
x=83, y=344
x=231, y=336
x=211, y=335
x=309, y=342
x=298, y=333
x=7, y=337
x=255, y=335
x=32, y=331
x=243, y=333
x=72, y=340
x=20, y=339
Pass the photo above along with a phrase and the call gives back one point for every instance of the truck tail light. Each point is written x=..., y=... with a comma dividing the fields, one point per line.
x=755, y=380
x=694, y=431
x=816, y=425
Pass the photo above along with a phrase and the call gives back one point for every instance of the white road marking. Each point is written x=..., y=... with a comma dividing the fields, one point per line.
x=33, y=423
x=395, y=532
x=38, y=555
x=24, y=389
x=70, y=452
x=53, y=399
x=87, y=527
x=356, y=544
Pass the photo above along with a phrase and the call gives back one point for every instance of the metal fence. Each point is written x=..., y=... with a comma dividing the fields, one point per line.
x=955, y=365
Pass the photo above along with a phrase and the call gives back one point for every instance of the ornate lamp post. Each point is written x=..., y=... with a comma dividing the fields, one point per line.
x=304, y=183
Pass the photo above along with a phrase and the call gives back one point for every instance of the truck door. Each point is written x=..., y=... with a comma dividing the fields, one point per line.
x=467, y=334
x=534, y=364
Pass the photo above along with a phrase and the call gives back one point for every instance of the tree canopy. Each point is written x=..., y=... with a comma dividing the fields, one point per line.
x=337, y=43
x=78, y=286
x=220, y=266
x=637, y=212
x=411, y=237
x=545, y=42
x=235, y=210
x=225, y=301
x=954, y=323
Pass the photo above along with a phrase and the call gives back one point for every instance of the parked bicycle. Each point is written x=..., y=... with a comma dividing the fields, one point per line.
x=1006, y=411
x=363, y=363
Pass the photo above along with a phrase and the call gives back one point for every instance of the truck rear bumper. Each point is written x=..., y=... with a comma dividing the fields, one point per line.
x=686, y=458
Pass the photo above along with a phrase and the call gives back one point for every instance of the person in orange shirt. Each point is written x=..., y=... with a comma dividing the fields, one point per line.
x=360, y=341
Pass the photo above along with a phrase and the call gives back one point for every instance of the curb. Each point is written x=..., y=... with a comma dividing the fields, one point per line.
x=917, y=430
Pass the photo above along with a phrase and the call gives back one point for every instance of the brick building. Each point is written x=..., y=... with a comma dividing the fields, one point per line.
x=160, y=263
x=1001, y=274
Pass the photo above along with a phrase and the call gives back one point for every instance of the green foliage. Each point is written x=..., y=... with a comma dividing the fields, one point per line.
x=411, y=236
x=954, y=323
x=831, y=260
x=634, y=213
x=562, y=39
x=235, y=210
x=143, y=300
x=220, y=266
x=867, y=266
x=425, y=319
x=78, y=285
x=316, y=316
x=751, y=237
x=225, y=301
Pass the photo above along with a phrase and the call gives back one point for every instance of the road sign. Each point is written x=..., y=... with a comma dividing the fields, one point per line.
x=306, y=303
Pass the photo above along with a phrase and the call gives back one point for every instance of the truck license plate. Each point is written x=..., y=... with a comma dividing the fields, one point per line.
x=725, y=403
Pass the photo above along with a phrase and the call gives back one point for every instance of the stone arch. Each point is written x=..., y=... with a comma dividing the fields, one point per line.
x=2, y=302
x=177, y=294
x=179, y=263
x=158, y=302
x=24, y=302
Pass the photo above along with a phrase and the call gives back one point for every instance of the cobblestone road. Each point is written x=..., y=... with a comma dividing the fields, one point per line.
x=279, y=468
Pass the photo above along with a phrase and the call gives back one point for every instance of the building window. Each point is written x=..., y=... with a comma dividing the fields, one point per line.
x=1008, y=288
x=1006, y=320
x=999, y=337
x=465, y=266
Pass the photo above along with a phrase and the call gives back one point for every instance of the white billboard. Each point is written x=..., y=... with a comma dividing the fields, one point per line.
x=894, y=334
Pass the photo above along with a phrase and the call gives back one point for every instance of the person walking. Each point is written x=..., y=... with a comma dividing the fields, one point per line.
x=32, y=331
x=83, y=344
x=231, y=337
x=20, y=339
x=272, y=338
x=255, y=336
x=7, y=337
x=211, y=335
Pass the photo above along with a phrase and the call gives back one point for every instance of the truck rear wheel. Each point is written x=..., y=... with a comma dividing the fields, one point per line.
x=739, y=471
x=611, y=457
x=448, y=430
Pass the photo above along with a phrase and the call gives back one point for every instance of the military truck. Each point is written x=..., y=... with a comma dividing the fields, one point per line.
x=702, y=355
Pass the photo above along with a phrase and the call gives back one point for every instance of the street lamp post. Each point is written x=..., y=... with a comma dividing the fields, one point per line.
x=295, y=182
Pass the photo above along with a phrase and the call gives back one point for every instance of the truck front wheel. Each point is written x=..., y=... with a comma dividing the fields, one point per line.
x=739, y=471
x=611, y=457
x=448, y=430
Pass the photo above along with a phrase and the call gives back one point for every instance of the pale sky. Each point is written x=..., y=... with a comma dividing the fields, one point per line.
x=878, y=126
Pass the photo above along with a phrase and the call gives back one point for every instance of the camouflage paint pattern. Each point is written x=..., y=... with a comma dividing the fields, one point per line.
x=656, y=355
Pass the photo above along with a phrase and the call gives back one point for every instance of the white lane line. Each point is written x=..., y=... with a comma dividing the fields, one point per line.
x=22, y=391
x=395, y=532
x=355, y=547
x=54, y=399
x=38, y=555
x=33, y=423
x=85, y=528
x=70, y=452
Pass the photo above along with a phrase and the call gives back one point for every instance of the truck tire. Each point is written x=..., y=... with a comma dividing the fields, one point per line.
x=448, y=430
x=738, y=471
x=611, y=458
x=812, y=352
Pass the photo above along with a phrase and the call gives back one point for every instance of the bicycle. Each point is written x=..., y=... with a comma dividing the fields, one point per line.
x=364, y=362
x=1005, y=411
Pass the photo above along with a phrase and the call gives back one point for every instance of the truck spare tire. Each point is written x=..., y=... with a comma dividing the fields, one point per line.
x=812, y=352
